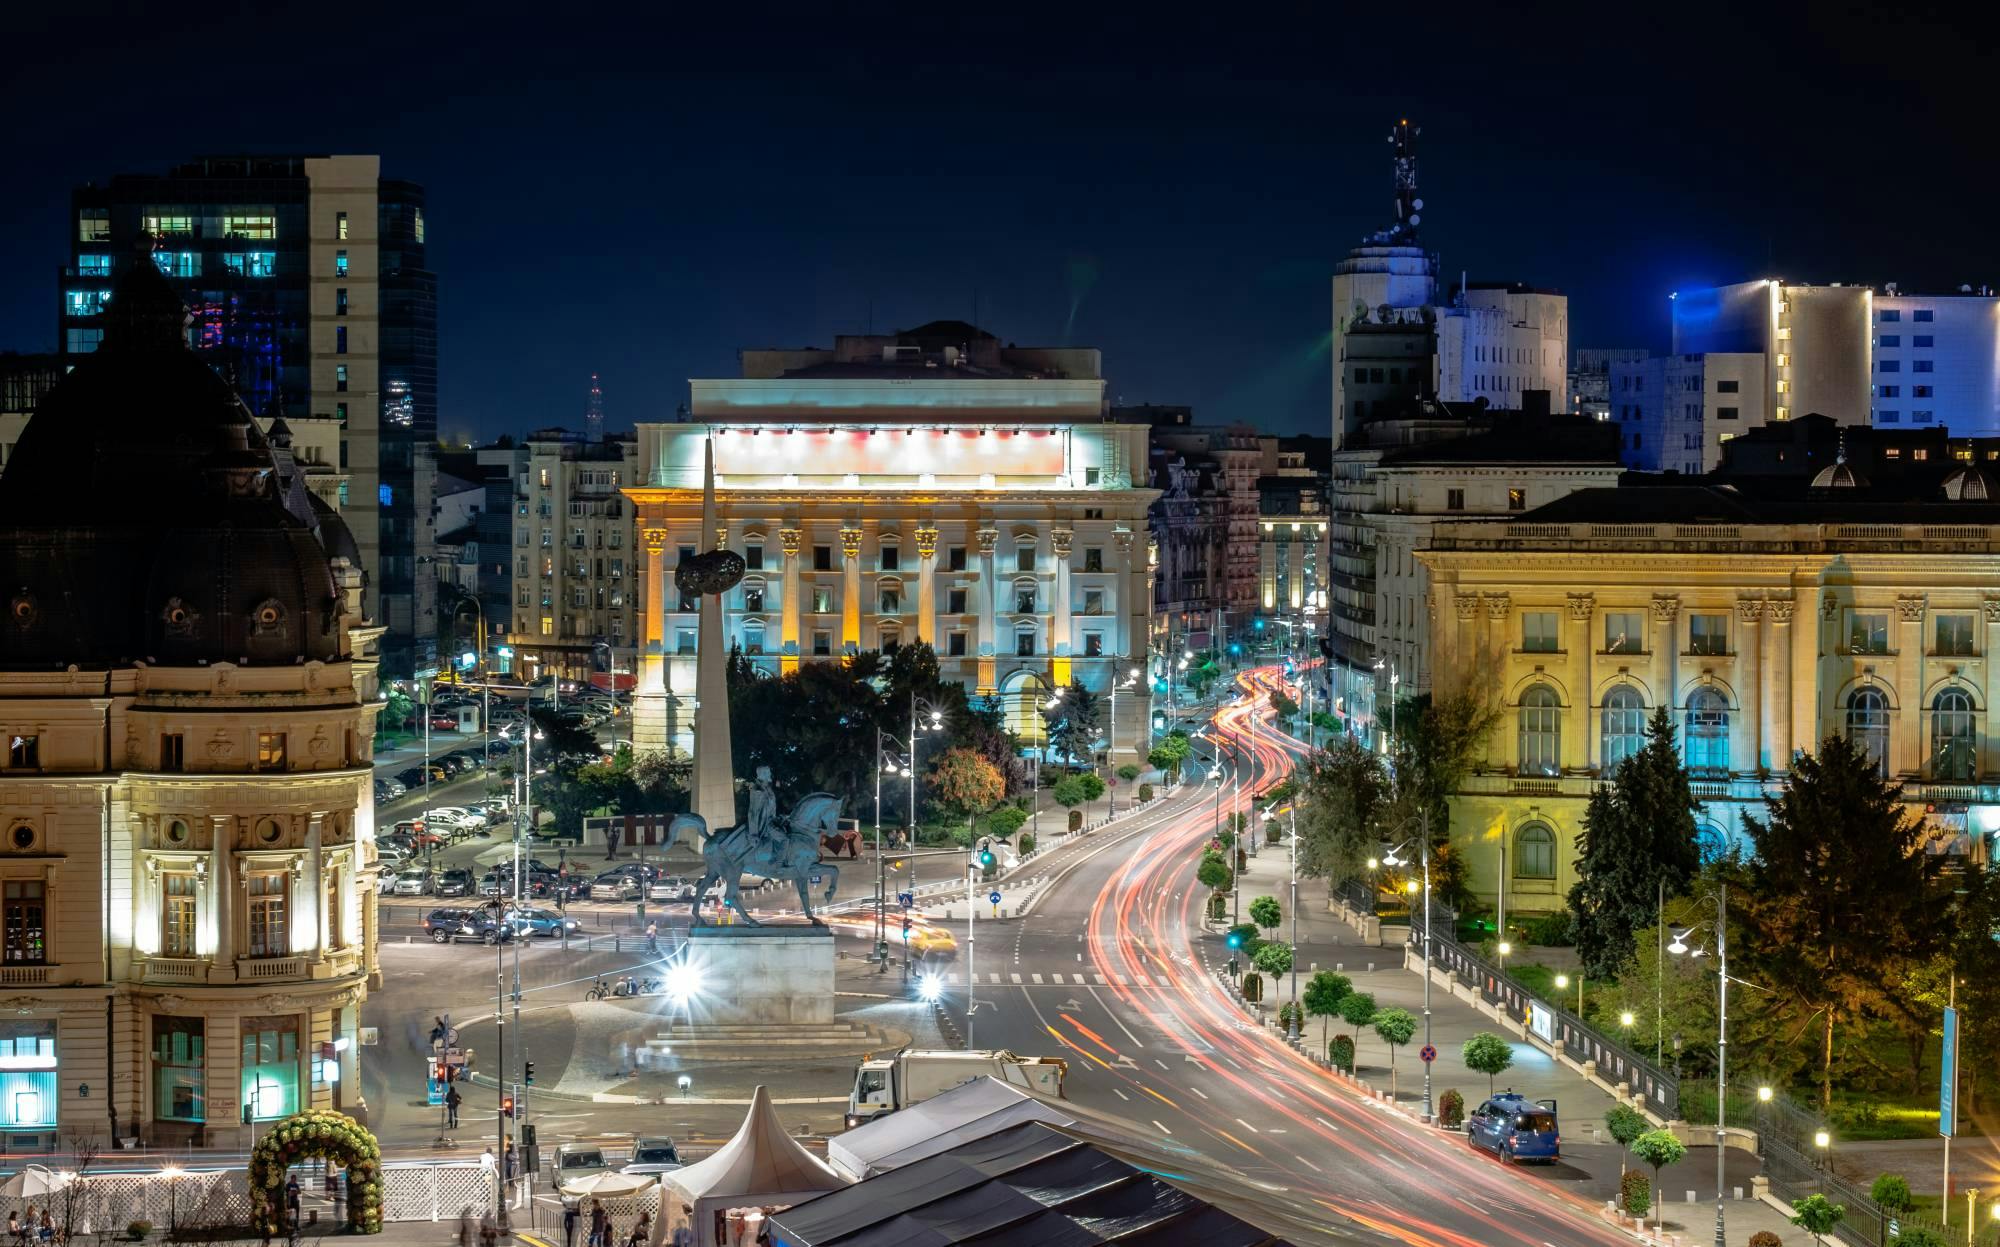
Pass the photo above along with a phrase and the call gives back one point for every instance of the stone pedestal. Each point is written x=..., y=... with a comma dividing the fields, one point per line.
x=777, y=976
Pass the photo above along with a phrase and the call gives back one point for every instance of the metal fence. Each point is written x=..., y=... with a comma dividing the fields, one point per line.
x=1547, y=1020
x=1358, y=895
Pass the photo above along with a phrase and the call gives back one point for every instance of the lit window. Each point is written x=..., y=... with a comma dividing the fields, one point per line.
x=82, y=341
x=93, y=225
x=86, y=302
x=1517, y=499
x=93, y=266
x=417, y=224
x=1867, y=633
x=1538, y=632
x=891, y=600
x=1541, y=732
x=269, y=930
x=251, y=263
x=1624, y=632
x=340, y=264
x=24, y=916
x=177, y=914
x=1707, y=731
x=167, y=226
x=548, y=624
x=340, y=226
x=340, y=378
x=261, y=226
x=1708, y=634
x=270, y=751
x=1624, y=726
x=822, y=602
x=340, y=413
x=24, y=753
x=1954, y=742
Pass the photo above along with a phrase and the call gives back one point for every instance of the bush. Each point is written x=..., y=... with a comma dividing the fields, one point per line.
x=139, y=1229
x=1225, y=838
x=1026, y=844
x=1248, y=930
x=1253, y=987
x=1557, y=930
x=1092, y=784
x=1918, y=1236
x=1892, y=1191
x=1341, y=1052
x=1286, y=1012
x=1128, y=772
x=1145, y=792
x=1076, y=820
x=1764, y=1238
x=1451, y=1110
x=1635, y=1191
x=1007, y=821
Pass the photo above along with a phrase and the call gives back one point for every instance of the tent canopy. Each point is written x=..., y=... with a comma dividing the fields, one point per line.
x=968, y=1111
x=760, y=1159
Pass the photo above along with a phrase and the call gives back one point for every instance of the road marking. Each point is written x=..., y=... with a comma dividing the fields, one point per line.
x=1277, y=1130
x=1015, y=977
x=1162, y=1064
x=1324, y=1122
x=1247, y=1126
x=994, y=979
x=1036, y=977
x=1163, y=1129
x=1238, y=1142
x=1316, y=1169
x=1157, y=1096
x=1198, y=1091
x=1114, y=1018
x=1077, y=977
x=1079, y=956
x=1121, y=1094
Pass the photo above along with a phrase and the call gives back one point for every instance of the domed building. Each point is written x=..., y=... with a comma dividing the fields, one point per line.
x=187, y=904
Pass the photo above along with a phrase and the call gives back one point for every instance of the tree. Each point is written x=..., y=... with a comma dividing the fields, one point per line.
x=1892, y=1191
x=1973, y=957
x=1395, y=1027
x=1128, y=772
x=1266, y=913
x=1638, y=834
x=1073, y=722
x=1441, y=733
x=1489, y=1054
x=961, y=781
x=1168, y=756
x=1322, y=996
x=1092, y=785
x=1842, y=900
x=397, y=709
x=1213, y=873
x=1817, y=1216
x=1342, y=790
x=1246, y=936
x=1624, y=1124
x=1069, y=792
x=1273, y=959
x=1284, y=707
x=1677, y=995
x=1357, y=1009
x=1656, y=1149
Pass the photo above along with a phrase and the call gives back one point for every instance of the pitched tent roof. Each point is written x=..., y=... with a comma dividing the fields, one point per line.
x=760, y=1159
x=968, y=1111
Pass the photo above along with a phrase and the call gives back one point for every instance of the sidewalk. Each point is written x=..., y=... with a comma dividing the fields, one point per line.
x=1591, y=1161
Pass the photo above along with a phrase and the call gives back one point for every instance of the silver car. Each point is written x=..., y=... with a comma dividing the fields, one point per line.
x=418, y=882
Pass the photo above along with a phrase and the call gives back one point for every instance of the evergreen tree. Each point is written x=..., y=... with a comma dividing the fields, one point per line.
x=1342, y=790
x=1073, y=723
x=1638, y=833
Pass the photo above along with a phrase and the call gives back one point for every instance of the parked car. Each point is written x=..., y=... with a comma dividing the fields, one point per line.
x=444, y=723
x=531, y=921
x=614, y=885
x=455, y=882
x=411, y=778
x=453, y=766
x=578, y=1160
x=653, y=1155
x=414, y=882
x=447, y=926
x=672, y=888
x=1515, y=1129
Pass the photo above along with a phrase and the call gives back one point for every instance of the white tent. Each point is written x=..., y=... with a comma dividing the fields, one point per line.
x=968, y=1111
x=760, y=1166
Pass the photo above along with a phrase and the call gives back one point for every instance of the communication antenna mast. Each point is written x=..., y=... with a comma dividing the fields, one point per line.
x=1409, y=208
x=593, y=411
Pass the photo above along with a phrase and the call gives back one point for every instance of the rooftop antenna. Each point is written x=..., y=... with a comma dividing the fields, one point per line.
x=1409, y=207
x=593, y=411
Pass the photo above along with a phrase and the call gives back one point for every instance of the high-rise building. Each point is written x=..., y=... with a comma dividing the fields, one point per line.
x=307, y=282
x=575, y=573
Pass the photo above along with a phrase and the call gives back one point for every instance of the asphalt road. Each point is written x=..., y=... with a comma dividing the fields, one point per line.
x=1113, y=971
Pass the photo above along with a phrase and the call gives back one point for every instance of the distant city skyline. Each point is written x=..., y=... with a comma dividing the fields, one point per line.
x=641, y=203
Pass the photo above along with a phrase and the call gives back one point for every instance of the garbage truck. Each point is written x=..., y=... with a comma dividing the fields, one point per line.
x=885, y=1084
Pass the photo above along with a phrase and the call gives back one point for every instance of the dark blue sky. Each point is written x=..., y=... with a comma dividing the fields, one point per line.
x=642, y=196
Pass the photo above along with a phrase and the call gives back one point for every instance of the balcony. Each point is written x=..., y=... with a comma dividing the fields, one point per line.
x=26, y=976
x=256, y=969
x=174, y=970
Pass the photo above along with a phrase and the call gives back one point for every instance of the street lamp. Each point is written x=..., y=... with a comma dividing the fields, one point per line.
x=1677, y=948
x=886, y=761
x=1390, y=858
x=1130, y=680
x=933, y=721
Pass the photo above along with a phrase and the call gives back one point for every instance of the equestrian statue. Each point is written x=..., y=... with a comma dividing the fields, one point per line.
x=765, y=844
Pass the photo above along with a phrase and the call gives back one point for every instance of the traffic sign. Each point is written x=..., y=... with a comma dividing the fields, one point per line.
x=1427, y=1054
x=994, y=896
x=906, y=899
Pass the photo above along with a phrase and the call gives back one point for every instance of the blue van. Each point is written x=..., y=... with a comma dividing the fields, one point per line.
x=1515, y=1129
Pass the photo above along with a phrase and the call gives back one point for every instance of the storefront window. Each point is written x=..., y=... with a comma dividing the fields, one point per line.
x=180, y=1091
x=271, y=1067
x=27, y=1075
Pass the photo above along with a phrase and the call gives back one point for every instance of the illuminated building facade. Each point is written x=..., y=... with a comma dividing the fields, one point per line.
x=1767, y=613
x=1292, y=528
x=575, y=574
x=930, y=486
x=187, y=870
x=307, y=280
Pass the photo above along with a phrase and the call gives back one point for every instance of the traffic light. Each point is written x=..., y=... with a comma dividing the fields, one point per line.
x=1235, y=940
x=985, y=856
x=527, y=1135
x=507, y=1107
x=906, y=928
x=528, y=1072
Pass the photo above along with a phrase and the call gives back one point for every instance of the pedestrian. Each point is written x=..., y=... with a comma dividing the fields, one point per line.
x=489, y=1233
x=600, y=1225
x=292, y=1199
x=512, y=1159
x=452, y=1099
x=465, y=1226
x=48, y=1233
x=653, y=938
x=570, y=1217
x=14, y=1230
x=642, y=1231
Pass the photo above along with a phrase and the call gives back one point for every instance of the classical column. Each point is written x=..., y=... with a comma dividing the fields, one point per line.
x=850, y=588
x=315, y=884
x=1059, y=610
x=988, y=593
x=1809, y=721
x=1990, y=647
x=1913, y=757
x=1666, y=646
x=1746, y=748
x=927, y=536
x=1126, y=597
x=1776, y=694
x=788, y=628
x=649, y=707
x=223, y=887
x=1582, y=609
x=1465, y=633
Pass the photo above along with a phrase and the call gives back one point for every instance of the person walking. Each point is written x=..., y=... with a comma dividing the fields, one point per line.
x=653, y=938
x=570, y=1217
x=465, y=1226
x=600, y=1225
x=292, y=1201
x=452, y=1099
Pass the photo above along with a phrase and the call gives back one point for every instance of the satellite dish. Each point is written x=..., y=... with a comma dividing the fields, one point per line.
x=1416, y=218
x=1416, y=203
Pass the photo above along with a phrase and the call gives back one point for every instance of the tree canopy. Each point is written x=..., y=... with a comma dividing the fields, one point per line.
x=1073, y=722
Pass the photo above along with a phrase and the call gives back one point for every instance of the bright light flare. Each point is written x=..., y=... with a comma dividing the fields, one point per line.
x=930, y=989
x=683, y=981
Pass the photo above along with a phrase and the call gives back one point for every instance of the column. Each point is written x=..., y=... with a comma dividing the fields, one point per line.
x=1126, y=598
x=1808, y=716
x=1463, y=644
x=927, y=536
x=1746, y=747
x=222, y=887
x=1060, y=540
x=789, y=606
x=1666, y=646
x=988, y=592
x=1582, y=613
x=1911, y=739
x=1989, y=646
x=649, y=704
x=1776, y=694
x=850, y=587
x=315, y=886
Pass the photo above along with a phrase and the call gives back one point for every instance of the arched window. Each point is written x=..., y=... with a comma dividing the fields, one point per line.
x=1709, y=843
x=1541, y=731
x=1624, y=725
x=1954, y=746
x=1707, y=731
x=1535, y=852
x=1868, y=726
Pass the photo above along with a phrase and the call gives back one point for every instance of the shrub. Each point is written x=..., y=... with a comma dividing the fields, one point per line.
x=1341, y=1053
x=139, y=1229
x=1451, y=1110
x=1026, y=844
x=1555, y=930
x=1253, y=987
x=1225, y=838
x=1128, y=772
x=1892, y=1191
x=1006, y=821
x=1764, y=1238
x=1918, y=1236
x=1635, y=1191
x=1145, y=792
x=1288, y=1011
x=1248, y=930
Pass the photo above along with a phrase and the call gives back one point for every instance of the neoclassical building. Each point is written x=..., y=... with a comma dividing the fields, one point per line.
x=926, y=486
x=1765, y=614
x=186, y=843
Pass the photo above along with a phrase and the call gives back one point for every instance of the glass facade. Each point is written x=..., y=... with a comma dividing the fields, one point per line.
x=27, y=1075
x=270, y=1067
x=180, y=1080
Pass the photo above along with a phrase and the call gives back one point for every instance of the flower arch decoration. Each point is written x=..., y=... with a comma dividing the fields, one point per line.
x=323, y=1134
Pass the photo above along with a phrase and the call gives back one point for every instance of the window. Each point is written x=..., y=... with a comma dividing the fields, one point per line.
x=340, y=226
x=251, y=263
x=340, y=264
x=173, y=755
x=1092, y=477
x=178, y=263
x=85, y=302
x=177, y=914
x=1887, y=365
x=1922, y=316
x=1888, y=417
x=1024, y=644
x=1867, y=633
x=28, y=1091
x=684, y=641
x=1093, y=559
x=1954, y=635
x=1888, y=391
x=1728, y=413
x=753, y=598
x=1093, y=601
x=1708, y=634
x=254, y=225
x=548, y=621
x=753, y=557
x=1454, y=500
x=1954, y=745
x=270, y=1067
x=167, y=226
x=1921, y=416
x=1024, y=557
x=1624, y=632
x=82, y=341
x=1921, y=365
x=822, y=558
x=1535, y=852
x=753, y=640
x=1889, y=340
x=340, y=301
x=340, y=378
x=1922, y=391
x=892, y=558
x=93, y=225
x=24, y=753
x=891, y=600
x=1707, y=731
x=1868, y=726
x=822, y=602
x=179, y=1068
x=270, y=751
x=1624, y=726
x=1024, y=601
x=822, y=643
x=954, y=602
x=340, y=339
x=1517, y=500
x=1890, y=317
x=955, y=559
x=1541, y=732
x=955, y=645
x=1725, y=387
x=23, y=913
x=336, y=913
x=1538, y=632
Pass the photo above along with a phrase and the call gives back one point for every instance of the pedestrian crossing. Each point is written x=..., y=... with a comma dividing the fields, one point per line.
x=953, y=978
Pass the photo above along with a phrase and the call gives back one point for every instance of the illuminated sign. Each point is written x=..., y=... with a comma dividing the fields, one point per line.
x=961, y=452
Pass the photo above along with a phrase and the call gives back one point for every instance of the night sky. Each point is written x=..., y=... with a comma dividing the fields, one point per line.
x=642, y=197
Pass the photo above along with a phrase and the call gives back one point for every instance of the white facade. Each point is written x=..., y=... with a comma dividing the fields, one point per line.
x=1674, y=412
x=1499, y=342
x=574, y=555
x=1945, y=355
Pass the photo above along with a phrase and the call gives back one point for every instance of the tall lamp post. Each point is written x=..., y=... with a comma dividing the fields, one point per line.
x=1678, y=947
x=1128, y=680
x=933, y=722
x=1390, y=859
x=889, y=762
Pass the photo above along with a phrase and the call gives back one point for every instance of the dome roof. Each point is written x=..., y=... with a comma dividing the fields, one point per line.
x=1839, y=475
x=1970, y=484
x=143, y=515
